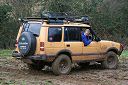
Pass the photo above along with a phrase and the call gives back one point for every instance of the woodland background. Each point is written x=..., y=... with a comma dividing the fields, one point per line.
x=109, y=18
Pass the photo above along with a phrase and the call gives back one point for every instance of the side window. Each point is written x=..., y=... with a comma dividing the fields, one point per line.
x=54, y=34
x=72, y=34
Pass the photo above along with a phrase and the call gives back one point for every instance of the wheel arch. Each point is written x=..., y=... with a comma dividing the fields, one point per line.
x=66, y=52
x=115, y=50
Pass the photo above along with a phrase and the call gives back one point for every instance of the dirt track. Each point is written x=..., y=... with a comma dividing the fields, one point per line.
x=16, y=72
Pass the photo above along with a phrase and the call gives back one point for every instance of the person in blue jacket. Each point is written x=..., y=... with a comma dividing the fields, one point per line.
x=85, y=37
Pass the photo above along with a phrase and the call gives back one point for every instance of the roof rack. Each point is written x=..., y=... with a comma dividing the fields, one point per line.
x=56, y=17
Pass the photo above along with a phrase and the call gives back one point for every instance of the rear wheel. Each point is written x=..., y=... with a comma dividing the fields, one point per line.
x=61, y=65
x=111, y=61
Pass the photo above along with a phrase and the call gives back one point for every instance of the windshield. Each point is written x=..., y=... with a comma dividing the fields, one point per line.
x=32, y=27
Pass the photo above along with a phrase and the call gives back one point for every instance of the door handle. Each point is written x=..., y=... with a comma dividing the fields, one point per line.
x=68, y=45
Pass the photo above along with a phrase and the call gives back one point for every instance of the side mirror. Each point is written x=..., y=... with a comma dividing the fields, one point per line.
x=90, y=37
x=97, y=39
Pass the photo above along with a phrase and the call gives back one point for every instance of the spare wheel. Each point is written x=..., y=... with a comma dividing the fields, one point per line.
x=27, y=44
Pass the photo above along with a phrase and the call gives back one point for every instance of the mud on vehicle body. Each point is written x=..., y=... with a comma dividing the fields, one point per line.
x=56, y=42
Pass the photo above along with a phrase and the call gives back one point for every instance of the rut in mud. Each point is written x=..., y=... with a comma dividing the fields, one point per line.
x=16, y=72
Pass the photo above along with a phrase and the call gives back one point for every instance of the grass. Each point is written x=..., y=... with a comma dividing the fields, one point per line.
x=124, y=53
x=7, y=53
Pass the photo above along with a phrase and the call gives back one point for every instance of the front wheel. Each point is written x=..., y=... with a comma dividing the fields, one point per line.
x=61, y=65
x=111, y=61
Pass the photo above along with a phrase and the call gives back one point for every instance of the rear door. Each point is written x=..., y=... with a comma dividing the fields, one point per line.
x=54, y=41
x=33, y=27
x=72, y=40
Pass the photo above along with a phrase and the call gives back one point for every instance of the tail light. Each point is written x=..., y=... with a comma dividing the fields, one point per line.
x=16, y=43
x=42, y=46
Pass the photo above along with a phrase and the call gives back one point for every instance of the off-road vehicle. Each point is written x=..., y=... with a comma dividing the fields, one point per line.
x=55, y=40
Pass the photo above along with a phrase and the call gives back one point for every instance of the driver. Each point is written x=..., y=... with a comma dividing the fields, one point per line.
x=85, y=37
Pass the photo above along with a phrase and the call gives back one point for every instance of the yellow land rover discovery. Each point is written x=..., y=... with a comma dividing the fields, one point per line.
x=55, y=40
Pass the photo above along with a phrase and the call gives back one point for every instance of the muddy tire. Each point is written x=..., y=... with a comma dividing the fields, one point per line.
x=83, y=64
x=61, y=65
x=35, y=67
x=111, y=61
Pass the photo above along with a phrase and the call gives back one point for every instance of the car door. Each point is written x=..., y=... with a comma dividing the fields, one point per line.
x=93, y=50
x=72, y=40
x=54, y=41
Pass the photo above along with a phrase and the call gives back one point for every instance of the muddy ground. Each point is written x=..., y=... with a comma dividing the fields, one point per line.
x=15, y=72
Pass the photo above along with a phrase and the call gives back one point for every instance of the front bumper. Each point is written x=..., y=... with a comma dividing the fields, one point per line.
x=33, y=57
